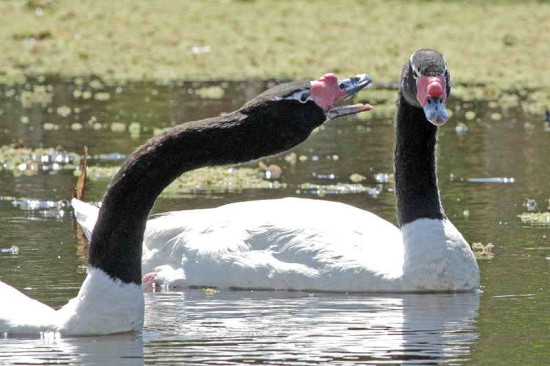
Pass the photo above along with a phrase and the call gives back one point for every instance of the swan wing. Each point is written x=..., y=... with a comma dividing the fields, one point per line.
x=286, y=243
x=291, y=243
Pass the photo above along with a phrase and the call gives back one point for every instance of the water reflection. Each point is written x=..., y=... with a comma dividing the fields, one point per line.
x=124, y=349
x=274, y=328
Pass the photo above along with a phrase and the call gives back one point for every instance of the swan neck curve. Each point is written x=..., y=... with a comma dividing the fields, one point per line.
x=244, y=135
x=416, y=187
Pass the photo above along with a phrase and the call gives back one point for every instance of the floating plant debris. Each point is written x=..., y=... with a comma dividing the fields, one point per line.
x=210, y=179
x=339, y=188
x=209, y=291
x=483, y=251
x=533, y=218
x=356, y=178
x=210, y=92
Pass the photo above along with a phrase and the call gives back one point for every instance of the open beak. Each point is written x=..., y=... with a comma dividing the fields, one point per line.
x=349, y=88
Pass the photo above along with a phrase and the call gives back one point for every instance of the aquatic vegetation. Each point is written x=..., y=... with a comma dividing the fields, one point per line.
x=211, y=179
x=322, y=190
x=39, y=94
x=535, y=218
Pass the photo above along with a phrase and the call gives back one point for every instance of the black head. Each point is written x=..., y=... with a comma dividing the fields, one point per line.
x=316, y=98
x=425, y=83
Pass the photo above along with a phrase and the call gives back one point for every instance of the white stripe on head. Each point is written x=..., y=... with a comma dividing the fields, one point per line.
x=302, y=96
x=416, y=73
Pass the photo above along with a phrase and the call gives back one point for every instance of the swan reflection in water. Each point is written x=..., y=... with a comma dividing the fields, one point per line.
x=274, y=327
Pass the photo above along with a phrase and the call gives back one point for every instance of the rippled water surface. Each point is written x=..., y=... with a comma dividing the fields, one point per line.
x=493, y=166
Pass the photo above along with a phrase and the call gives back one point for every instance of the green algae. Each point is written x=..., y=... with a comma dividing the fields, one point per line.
x=235, y=40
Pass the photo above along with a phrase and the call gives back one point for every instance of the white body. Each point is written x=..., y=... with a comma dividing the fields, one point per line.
x=102, y=306
x=301, y=244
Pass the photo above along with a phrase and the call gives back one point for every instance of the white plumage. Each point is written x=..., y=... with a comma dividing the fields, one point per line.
x=92, y=312
x=301, y=244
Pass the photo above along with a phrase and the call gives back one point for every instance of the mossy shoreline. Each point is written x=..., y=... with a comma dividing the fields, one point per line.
x=490, y=42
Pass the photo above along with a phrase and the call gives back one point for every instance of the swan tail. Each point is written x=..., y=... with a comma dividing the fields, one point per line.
x=86, y=216
x=20, y=314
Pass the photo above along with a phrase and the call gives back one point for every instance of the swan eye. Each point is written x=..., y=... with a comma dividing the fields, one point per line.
x=304, y=97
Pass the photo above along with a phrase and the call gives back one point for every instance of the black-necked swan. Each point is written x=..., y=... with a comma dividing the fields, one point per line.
x=111, y=298
x=305, y=244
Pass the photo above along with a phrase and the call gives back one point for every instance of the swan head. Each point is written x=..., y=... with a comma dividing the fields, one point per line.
x=319, y=98
x=285, y=115
x=426, y=84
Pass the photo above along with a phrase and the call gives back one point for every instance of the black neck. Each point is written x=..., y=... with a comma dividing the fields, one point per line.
x=415, y=165
x=117, y=237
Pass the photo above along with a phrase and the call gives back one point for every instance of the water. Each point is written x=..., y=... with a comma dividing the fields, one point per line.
x=488, y=173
